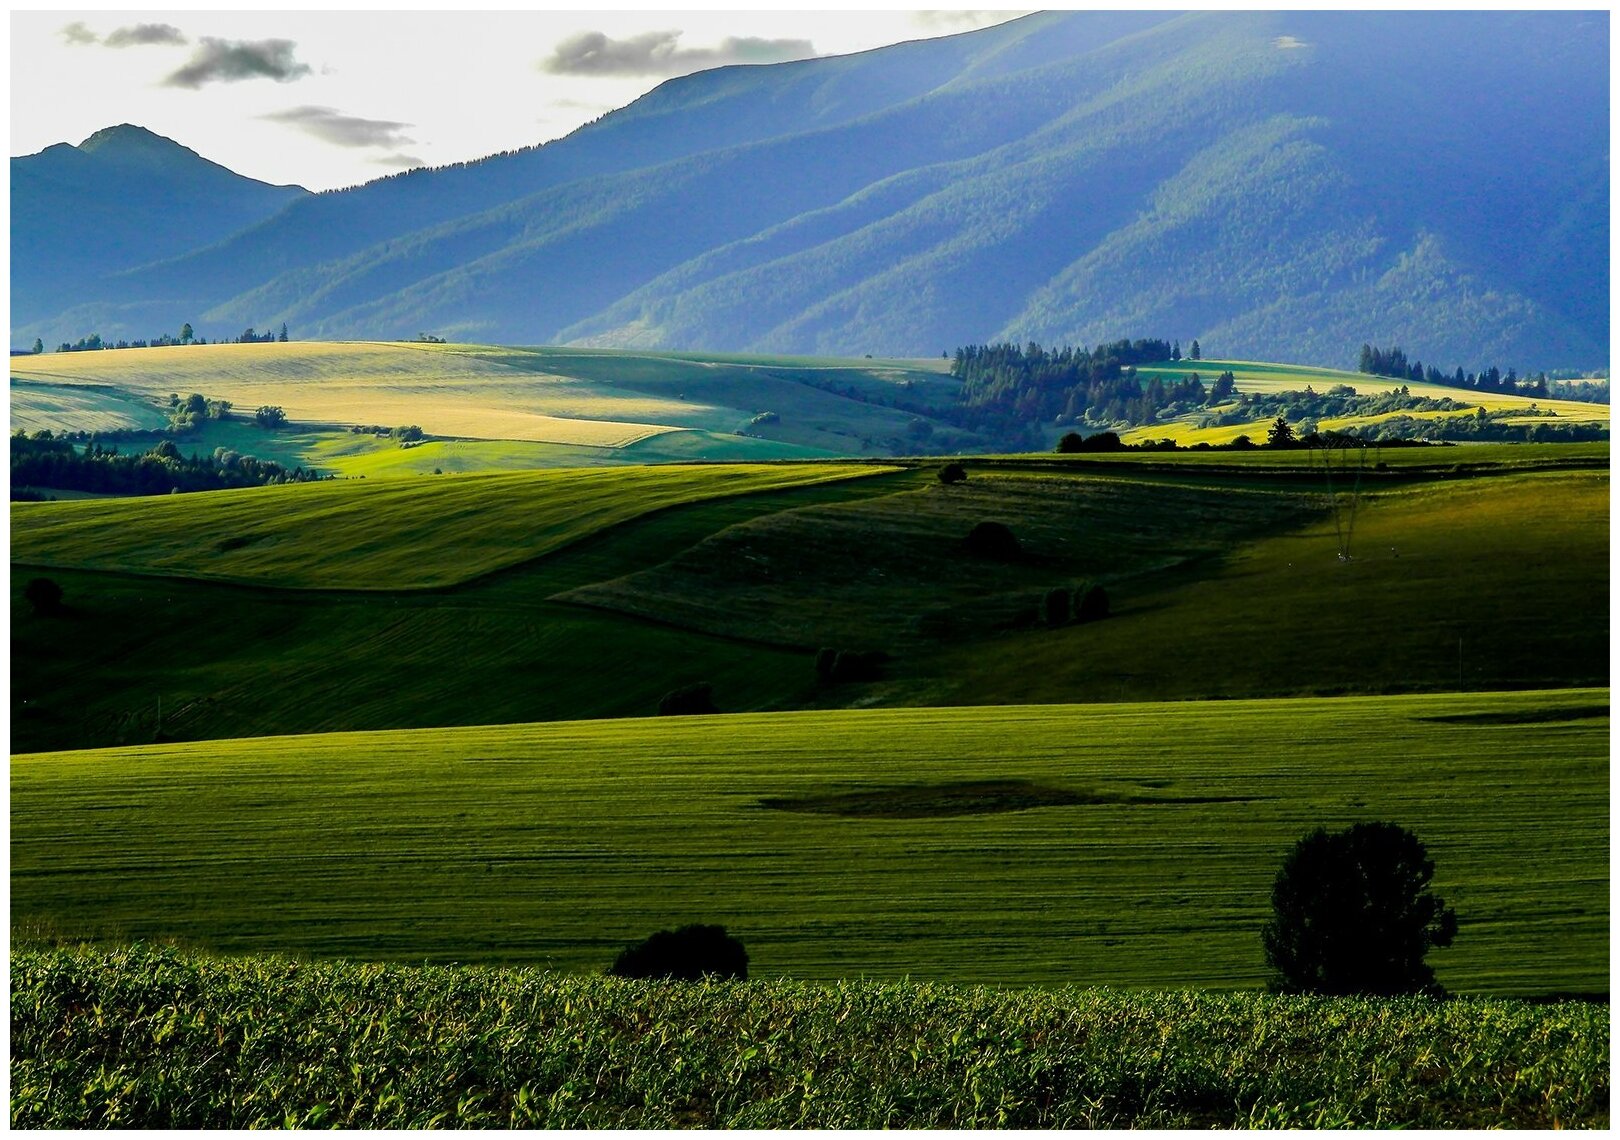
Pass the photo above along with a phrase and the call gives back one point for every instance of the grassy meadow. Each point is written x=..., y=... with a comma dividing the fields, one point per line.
x=158, y=1039
x=1224, y=583
x=1124, y=845
x=404, y=718
x=388, y=534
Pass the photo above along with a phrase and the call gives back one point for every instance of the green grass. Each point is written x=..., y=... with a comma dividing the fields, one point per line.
x=1487, y=583
x=1216, y=593
x=892, y=571
x=1463, y=458
x=224, y=660
x=558, y=844
x=156, y=1039
x=387, y=534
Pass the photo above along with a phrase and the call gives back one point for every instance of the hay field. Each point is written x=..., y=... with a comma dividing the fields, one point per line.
x=564, y=397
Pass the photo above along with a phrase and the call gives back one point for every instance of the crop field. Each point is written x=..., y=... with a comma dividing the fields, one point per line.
x=1123, y=845
x=1488, y=583
x=274, y=1042
x=890, y=571
x=560, y=397
x=1262, y=379
x=1256, y=606
x=390, y=534
x=135, y=656
x=41, y=406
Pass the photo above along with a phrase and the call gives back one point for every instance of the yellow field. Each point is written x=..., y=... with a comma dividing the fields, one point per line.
x=444, y=392
x=1262, y=379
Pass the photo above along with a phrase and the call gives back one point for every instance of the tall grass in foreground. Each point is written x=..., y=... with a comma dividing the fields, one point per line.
x=139, y=1037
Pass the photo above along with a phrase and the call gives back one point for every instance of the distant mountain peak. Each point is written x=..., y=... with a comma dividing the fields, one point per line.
x=129, y=140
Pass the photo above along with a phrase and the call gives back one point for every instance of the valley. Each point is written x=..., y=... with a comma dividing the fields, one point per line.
x=777, y=570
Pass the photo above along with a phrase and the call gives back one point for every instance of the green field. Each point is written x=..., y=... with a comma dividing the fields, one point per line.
x=1497, y=582
x=892, y=571
x=1256, y=606
x=388, y=534
x=155, y=1039
x=1127, y=845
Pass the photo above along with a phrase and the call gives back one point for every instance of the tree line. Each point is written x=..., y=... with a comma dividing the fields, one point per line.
x=46, y=460
x=1392, y=362
x=186, y=336
x=1028, y=384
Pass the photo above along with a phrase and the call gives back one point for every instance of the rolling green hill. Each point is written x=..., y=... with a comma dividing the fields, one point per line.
x=387, y=535
x=1507, y=555
x=1125, y=845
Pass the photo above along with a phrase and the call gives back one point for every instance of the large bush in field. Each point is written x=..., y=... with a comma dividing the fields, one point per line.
x=1353, y=914
x=687, y=954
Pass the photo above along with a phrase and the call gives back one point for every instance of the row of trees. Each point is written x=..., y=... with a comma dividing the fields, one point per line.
x=42, y=460
x=1392, y=362
x=94, y=343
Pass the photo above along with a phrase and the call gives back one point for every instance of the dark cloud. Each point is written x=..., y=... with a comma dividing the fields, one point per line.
x=226, y=61
x=659, y=53
x=141, y=34
x=77, y=33
x=334, y=127
x=400, y=161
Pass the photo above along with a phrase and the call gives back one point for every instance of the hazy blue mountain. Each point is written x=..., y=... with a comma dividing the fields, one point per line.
x=1279, y=185
x=120, y=199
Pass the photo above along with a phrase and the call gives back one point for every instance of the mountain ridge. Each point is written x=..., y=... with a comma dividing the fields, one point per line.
x=1254, y=179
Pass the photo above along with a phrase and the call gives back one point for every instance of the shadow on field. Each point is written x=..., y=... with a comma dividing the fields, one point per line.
x=977, y=797
x=1531, y=716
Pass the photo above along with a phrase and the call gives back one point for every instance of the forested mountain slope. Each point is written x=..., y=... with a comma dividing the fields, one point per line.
x=1279, y=185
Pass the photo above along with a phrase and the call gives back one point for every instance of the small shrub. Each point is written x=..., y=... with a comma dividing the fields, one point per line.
x=953, y=473
x=839, y=666
x=688, y=700
x=1091, y=604
x=688, y=954
x=1055, y=607
x=1074, y=442
x=44, y=595
x=993, y=540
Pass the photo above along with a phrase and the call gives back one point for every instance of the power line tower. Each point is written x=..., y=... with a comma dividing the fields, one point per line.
x=1344, y=456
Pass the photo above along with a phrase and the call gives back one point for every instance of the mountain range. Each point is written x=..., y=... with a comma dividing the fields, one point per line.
x=1281, y=186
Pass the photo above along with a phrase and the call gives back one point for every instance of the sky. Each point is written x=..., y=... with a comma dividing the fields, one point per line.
x=330, y=99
